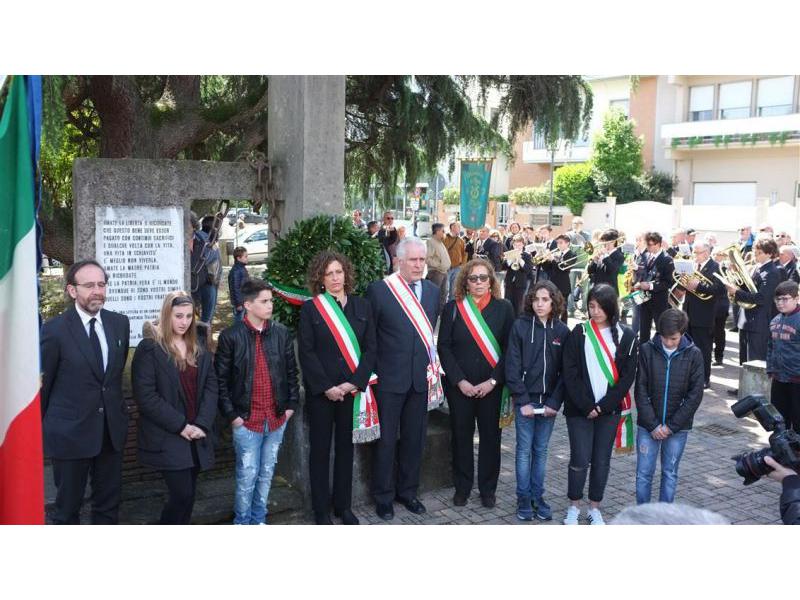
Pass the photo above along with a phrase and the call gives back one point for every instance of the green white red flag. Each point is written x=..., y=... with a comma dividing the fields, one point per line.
x=21, y=462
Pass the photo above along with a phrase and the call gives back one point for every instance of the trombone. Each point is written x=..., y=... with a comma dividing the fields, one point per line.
x=600, y=251
x=568, y=263
x=543, y=258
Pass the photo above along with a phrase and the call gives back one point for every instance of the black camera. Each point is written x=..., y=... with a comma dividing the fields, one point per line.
x=784, y=445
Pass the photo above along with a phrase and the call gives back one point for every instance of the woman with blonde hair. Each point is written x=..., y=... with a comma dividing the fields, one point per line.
x=175, y=388
x=473, y=335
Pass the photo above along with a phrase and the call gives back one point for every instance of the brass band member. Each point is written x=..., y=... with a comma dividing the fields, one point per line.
x=701, y=311
x=559, y=276
x=656, y=279
x=605, y=266
x=519, y=274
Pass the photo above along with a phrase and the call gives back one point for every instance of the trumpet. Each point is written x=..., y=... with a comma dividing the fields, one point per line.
x=514, y=259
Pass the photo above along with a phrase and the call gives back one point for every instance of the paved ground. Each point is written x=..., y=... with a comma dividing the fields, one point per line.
x=707, y=478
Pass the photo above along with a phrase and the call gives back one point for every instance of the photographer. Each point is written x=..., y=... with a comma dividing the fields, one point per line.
x=790, y=497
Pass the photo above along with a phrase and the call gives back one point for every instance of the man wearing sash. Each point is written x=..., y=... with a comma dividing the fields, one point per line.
x=405, y=309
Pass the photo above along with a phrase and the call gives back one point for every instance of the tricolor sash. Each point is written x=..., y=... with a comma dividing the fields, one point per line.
x=366, y=427
x=416, y=314
x=489, y=347
x=624, y=437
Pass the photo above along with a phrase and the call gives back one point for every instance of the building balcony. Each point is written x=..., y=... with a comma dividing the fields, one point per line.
x=535, y=152
x=731, y=134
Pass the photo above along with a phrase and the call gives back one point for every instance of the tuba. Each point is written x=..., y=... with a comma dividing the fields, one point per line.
x=737, y=274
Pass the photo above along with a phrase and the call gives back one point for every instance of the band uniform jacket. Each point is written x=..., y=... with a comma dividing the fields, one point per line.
x=701, y=312
x=77, y=399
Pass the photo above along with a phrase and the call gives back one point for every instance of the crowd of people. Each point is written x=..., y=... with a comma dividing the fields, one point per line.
x=372, y=368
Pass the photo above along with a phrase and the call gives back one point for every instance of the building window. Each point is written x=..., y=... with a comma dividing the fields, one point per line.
x=541, y=219
x=734, y=100
x=701, y=103
x=502, y=213
x=624, y=104
x=538, y=140
x=775, y=96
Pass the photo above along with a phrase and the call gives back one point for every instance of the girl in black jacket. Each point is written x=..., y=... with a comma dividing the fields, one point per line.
x=592, y=404
x=534, y=377
x=175, y=388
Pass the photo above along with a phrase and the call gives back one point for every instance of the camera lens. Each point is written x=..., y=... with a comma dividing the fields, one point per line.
x=751, y=466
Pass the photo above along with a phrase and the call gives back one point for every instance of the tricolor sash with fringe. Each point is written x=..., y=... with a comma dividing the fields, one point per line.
x=624, y=438
x=294, y=296
x=416, y=314
x=366, y=427
x=489, y=347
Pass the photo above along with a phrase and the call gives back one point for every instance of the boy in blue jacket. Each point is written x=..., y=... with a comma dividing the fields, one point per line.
x=783, y=354
x=669, y=388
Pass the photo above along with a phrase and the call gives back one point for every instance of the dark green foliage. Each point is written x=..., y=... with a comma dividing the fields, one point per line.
x=291, y=254
x=658, y=186
x=573, y=185
x=617, y=158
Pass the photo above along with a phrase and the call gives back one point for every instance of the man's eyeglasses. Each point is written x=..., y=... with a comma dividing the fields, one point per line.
x=476, y=278
x=92, y=285
x=784, y=299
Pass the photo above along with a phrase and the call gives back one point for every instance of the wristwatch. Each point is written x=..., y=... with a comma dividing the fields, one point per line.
x=493, y=382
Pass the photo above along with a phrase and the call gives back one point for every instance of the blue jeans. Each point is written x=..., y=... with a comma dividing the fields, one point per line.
x=208, y=302
x=452, y=273
x=256, y=455
x=647, y=451
x=533, y=435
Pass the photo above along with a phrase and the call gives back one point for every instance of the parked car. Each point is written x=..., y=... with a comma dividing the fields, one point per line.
x=256, y=245
x=248, y=215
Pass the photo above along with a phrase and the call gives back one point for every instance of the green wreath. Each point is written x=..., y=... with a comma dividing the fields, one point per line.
x=289, y=259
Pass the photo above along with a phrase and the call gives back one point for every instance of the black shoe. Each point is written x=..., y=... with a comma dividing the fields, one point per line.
x=385, y=511
x=413, y=505
x=347, y=517
x=323, y=519
x=718, y=363
x=707, y=385
x=733, y=392
x=460, y=499
x=733, y=329
x=488, y=500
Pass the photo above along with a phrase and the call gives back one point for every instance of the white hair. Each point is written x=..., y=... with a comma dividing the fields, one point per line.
x=795, y=251
x=407, y=241
x=663, y=513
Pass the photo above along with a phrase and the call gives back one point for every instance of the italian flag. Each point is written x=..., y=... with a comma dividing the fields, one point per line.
x=21, y=462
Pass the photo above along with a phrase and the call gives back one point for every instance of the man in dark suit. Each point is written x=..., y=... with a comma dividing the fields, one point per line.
x=402, y=390
x=701, y=313
x=657, y=281
x=788, y=262
x=754, y=322
x=605, y=269
x=85, y=420
x=488, y=249
x=559, y=276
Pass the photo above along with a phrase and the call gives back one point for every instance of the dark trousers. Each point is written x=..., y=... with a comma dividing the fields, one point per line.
x=591, y=442
x=516, y=295
x=786, y=398
x=718, y=335
x=323, y=415
x=648, y=316
x=70, y=477
x=440, y=280
x=182, y=485
x=702, y=339
x=404, y=416
x=463, y=414
x=752, y=345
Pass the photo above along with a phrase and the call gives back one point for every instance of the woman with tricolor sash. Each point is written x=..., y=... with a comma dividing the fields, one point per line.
x=472, y=339
x=337, y=355
x=600, y=360
x=535, y=379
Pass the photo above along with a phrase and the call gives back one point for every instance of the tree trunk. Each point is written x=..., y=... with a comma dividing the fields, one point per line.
x=57, y=238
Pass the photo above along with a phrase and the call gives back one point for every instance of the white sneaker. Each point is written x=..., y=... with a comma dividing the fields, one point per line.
x=573, y=514
x=595, y=517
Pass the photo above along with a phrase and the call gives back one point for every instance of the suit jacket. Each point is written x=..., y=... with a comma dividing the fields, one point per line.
x=560, y=278
x=493, y=252
x=76, y=397
x=162, y=409
x=660, y=274
x=766, y=279
x=322, y=363
x=402, y=360
x=701, y=312
x=608, y=269
x=460, y=355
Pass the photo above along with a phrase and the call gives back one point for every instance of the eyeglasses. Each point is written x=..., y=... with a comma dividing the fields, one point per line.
x=784, y=299
x=389, y=218
x=476, y=278
x=92, y=285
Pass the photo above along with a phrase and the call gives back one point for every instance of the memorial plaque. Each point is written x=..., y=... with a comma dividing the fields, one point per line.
x=142, y=248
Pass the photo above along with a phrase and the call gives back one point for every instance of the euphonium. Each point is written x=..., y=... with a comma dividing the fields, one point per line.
x=738, y=275
x=683, y=279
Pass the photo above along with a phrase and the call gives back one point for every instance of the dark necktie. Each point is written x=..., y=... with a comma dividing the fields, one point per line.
x=95, y=343
x=417, y=291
